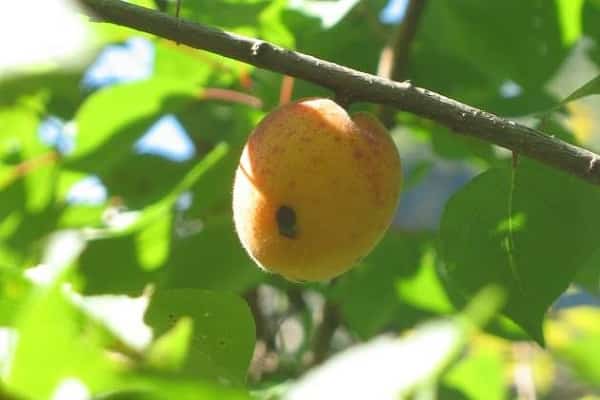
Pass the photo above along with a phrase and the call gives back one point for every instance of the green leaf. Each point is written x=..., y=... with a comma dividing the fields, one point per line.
x=590, y=15
x=472, y=72
x=120, y=262
x=588, y=275
x=360, y=372
x=80, y=216
x=161, y=386
x=570, y=13
x=346, y=45
x=389, y=280
x=223, y=333
x=112, y=119
x=180, y=61
x=141, y=180
x=14, y=290
x=330, y=13
x=56, y=92
x=112, y=266
x=257, y=18
x=392, y=371
x=34, y=162
x=574, y=336
x=212, y=258
x=210, y=161
x=153, y=243
x=535, y=253
x=590, y=88
x=424, y=289
x=487, y=366
x=452, y=146
x=70, y=345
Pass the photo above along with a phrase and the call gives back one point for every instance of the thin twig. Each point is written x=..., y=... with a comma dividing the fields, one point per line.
x=287, y=89
x=395, y=56
x=30, y=165
x=325, y=332
x=232, y=96
x=459, y=117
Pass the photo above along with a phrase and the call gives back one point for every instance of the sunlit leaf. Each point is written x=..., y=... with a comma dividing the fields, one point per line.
x=575, y=337
x=70, y=344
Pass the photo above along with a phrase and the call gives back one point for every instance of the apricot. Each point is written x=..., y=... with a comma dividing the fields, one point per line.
x=315, y=189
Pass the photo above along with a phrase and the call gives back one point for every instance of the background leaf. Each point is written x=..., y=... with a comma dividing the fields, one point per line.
x=222, y=331
x=549, y=235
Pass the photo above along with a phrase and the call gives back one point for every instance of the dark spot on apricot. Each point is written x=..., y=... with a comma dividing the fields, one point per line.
x=286, y=221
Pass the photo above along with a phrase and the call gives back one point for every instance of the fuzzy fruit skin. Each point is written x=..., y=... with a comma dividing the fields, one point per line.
x=338, y=176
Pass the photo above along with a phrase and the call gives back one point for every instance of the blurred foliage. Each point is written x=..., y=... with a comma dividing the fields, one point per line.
x=196, y=319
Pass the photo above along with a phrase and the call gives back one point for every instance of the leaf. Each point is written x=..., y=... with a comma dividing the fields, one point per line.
x=388, y=281
x=141, y=180
x=223, y=333
x=156, y=386
x=574, y=336
x=112, y=119
x=488, y=366
x=70, y=345
x=118, y=263
x=173, y=60
x=329, y=12
x=397, y=367
x=389, y=373
x=424, y=289
x=153, y=243
x=14, y=290
x=212, y=259
x=57, y=92
x=588, y=275
x=570, y=13
x=590, y=88
x=257, y=18
x=112, y=266
x=536, y=253
x=473, y=72
x=451, y=146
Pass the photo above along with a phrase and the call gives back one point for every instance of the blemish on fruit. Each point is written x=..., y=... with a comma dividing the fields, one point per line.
x=286, y=222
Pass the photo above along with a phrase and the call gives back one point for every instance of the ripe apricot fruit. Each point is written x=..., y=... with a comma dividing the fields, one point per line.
x=315, y=189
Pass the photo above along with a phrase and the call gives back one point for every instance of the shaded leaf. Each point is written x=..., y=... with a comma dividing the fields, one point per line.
x=474, y=66
x=590, y=88
x=386, y=281
x=112, y=266
x=535, y=254
x=223, y=333
x=109, y=122
x=213, y=259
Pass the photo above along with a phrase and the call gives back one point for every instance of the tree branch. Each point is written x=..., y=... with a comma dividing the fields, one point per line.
x=358, y=86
